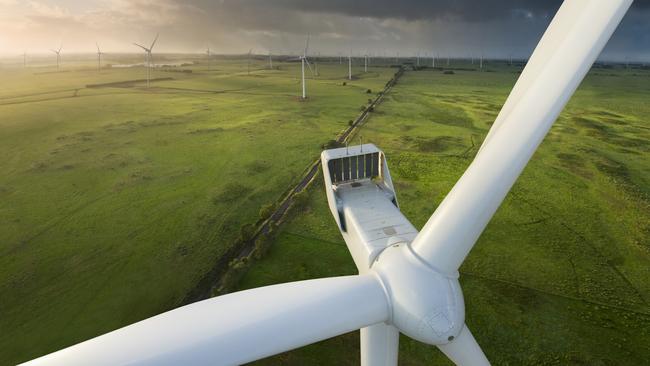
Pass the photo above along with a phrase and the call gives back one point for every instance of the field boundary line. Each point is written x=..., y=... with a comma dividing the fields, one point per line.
x=213, y=278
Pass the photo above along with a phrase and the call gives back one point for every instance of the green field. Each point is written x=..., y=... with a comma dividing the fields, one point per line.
x=562, y=273
x=115, y=200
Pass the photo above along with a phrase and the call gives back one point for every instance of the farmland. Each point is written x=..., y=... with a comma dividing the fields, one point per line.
x=562, y=273
x=116, y=199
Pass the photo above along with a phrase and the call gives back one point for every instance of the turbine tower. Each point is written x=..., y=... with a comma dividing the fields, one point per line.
x=350, y=65
x=58, y=55
x=270, y=61
x=99, y=58
x=365, y=63
x=248, y=63
x=408, y=280
x=208, y=54
x=147, y=57
x=303, y=61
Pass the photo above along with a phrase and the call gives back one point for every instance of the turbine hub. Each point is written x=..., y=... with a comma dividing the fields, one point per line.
x=425, y=304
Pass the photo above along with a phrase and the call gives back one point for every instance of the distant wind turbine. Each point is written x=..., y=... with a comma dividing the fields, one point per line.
x=350, y=65
x=365, y=63
x=303, y=61
x=433, y=59
x=208, y=53
x=148, y=57
x=99, y=57
x=58, y=55
x=248, y=65
x=270, y=61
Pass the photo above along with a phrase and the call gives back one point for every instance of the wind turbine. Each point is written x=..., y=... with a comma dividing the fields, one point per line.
x=58, y=55
x=408, y=281
x=148, y=57
x=303, y=61
x=433, y=60
x=248, y=64
x=350, y=65
x=365, y=63
x=99, y=57
x=208, y=53
x=270, y=61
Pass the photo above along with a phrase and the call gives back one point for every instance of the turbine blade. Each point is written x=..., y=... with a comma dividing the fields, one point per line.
x=379, y=345
x=239, y=327
x=154, y=41
x=585, y=26
x=464, y=351
x=309, y=65
x=304, y=53
x=141, y=46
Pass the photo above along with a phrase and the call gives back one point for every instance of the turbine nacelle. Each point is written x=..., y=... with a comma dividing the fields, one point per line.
x=426, y=304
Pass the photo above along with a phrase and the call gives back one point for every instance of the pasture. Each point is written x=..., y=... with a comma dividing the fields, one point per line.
x=562, y=273
x=116, y=199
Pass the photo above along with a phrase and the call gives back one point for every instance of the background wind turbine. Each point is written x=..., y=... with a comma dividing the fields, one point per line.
x=408, y=280
x=58, y=55
x=148, y=56
x=99, y=57
x=270, y=61
x=248, y=64
x=303, y=61
x=208, y=53
x=350, y=65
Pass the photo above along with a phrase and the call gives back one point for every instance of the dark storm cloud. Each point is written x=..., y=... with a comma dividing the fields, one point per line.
x=452, y=27
x=469, y=10
x=463, y=10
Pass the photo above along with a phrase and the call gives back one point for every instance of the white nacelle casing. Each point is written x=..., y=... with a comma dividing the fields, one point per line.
x=362, y=199
x=426, y=304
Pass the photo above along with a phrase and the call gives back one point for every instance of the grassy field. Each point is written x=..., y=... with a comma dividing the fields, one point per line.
x=562, y=273
x=116, y=199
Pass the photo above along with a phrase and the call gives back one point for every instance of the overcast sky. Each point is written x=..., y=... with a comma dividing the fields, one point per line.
x=496, y=28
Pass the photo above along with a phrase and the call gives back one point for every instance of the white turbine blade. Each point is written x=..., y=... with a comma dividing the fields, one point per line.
x=464, y=351
x=379, y=345
x=304, y=53
x=141, y=46
x=239, y=327
x=567, y=56
x=154, y=41
x=309, y=65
